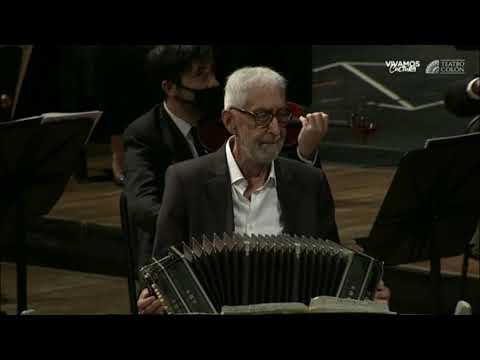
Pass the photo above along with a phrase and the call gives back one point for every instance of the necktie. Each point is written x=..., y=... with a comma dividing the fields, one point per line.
x=196, y=141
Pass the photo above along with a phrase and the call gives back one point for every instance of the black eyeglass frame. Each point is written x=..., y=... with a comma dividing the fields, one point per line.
x=265, y=123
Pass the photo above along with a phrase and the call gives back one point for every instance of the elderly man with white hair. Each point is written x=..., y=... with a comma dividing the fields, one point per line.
x=245, y=187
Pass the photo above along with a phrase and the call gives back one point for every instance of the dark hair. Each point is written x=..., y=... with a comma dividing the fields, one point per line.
x=169, y=62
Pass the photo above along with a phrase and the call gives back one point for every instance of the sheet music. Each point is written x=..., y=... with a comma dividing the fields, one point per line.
x=264, y=309
x=446, y=139
x=319, y=304
x=330, y=304
x=30, y=118
x=58, y=116
x=53, y=117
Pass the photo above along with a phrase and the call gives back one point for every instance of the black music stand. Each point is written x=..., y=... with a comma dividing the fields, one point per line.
x=431, y=208
x=38, y=156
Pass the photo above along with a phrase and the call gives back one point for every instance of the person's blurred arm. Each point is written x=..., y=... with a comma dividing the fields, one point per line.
x=463, y=98
x=473, y=89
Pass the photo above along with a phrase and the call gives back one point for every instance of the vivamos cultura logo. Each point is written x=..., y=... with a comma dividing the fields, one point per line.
x=402, y=66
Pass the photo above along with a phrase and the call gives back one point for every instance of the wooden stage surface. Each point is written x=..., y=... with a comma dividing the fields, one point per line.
x=358, y=193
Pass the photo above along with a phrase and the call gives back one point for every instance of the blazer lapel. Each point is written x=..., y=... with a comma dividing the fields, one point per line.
x=287, y=191
x=172, y=136
x=219, y=193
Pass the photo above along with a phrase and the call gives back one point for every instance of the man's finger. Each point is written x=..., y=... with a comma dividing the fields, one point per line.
x=313, y=121
x=322, y=122
x=325, y=119
x=381, y=285
x=318, y=120
x=144, y=304
x=321, y=118
x=383, y=294
x=304, y=120
x=155, y=307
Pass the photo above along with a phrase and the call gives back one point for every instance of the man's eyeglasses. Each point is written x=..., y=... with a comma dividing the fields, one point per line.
x=263, y=118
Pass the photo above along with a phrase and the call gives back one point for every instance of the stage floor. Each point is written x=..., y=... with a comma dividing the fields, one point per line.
x=358, y=193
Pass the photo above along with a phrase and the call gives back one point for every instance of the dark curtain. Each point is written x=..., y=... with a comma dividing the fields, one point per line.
x=71, y=78
x=74, y=78
x=294, y=62
x=122, y=87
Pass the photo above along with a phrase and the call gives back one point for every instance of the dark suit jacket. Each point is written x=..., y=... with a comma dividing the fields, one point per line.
x=458, y=102
x=198, y=200
x=152, y=143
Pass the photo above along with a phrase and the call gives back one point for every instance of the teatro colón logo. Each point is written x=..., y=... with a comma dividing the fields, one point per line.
x=446, y=66
x=402, y=66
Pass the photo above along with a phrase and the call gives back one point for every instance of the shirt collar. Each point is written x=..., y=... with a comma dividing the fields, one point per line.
x=235, y=172
x=182, y=125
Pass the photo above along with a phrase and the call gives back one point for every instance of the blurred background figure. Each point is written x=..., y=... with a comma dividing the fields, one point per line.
x=463, y=99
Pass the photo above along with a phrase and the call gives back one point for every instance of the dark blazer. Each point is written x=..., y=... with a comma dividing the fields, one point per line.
x=198, y=200
x=152, y=143
x=458, y=102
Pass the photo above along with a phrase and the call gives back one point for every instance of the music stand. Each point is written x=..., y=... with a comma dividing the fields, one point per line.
x=431, y=208
x=38, y=156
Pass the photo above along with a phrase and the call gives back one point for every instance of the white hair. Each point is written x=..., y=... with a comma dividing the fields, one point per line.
x=241, y=81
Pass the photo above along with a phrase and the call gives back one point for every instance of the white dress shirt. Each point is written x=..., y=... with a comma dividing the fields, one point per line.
x=184, y=128
x=260, y=214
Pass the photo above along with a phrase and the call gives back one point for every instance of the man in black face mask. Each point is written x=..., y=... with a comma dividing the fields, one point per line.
x=208, y=101
x=183, y=76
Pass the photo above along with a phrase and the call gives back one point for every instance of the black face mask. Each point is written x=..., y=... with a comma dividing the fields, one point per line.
x=209, y=101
